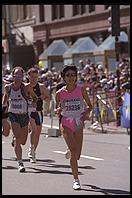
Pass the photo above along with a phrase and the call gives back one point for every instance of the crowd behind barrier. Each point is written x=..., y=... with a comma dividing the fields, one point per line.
x=100, y=84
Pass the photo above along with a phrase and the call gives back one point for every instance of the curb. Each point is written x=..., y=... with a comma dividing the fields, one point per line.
x=118, y=130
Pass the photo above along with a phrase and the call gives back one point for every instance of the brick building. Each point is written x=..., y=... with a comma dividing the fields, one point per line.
x=70, y=22
x=40, y=25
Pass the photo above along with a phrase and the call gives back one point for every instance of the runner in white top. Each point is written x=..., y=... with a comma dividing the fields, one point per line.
x=16, y=94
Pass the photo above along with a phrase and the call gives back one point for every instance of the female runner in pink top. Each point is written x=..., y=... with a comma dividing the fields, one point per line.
x=70, y=103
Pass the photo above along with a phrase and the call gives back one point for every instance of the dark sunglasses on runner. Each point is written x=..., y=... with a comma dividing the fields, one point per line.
x=18, y=75
x=70, y=75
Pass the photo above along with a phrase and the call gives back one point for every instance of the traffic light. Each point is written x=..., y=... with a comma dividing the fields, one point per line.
x=114, y=20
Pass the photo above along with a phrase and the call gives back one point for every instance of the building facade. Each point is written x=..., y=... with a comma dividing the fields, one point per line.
x=40, y=25
x=70, y=22
x=17, y=35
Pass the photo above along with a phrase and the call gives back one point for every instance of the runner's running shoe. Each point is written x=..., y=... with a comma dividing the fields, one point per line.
x=31, y=152
x=33, y=159
x=21, y=168
x=76, y=184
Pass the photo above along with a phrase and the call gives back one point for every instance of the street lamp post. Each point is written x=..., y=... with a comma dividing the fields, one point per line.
x=118, y=78
x=114, y=19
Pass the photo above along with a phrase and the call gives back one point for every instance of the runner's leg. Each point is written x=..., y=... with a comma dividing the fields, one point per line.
x=5, y=127
x=20, y=136
x=37, y=135
x=69, y=138
x=78, y=137
x=33, y=131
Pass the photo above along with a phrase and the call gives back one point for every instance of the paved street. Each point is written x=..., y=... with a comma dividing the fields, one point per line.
x=104, y=166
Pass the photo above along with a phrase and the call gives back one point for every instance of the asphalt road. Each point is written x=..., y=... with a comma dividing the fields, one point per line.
x=104, y=166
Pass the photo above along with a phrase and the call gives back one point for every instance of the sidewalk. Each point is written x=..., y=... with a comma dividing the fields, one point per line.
x=106, y=128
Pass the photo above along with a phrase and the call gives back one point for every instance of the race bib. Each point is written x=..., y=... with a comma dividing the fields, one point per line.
x=17, y=106
x=72, y=106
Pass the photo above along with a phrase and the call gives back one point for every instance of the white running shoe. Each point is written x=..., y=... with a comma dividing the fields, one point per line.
x=21, y=168
x=67, y=154
x=76, y=184
x=31, y=152
x=33, y=159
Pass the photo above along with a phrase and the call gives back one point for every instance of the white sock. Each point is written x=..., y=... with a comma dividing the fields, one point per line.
x=76, y=180
x=20, y=162
x=31, y=145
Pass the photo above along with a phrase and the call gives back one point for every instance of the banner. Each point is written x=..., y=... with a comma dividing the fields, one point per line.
x=125, y=116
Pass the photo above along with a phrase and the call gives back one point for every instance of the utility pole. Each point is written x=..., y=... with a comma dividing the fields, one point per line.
x=114, y=20
x=8, y=33
x=115, y=11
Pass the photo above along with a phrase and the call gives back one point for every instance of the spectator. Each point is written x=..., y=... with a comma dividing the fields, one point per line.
x=81, y=65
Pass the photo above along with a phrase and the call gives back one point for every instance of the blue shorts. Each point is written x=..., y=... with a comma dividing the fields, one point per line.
x=22, y=119
x=37, y=116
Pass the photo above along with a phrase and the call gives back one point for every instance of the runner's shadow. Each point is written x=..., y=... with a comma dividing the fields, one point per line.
x=37, y=171
x=60, y=165
x=93, y=188
x=9, y=167
x=45, y=160
x=27, y=160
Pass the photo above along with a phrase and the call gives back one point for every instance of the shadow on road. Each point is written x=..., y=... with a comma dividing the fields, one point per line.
x=37, y=170
x=104, y=191
x=34, y=168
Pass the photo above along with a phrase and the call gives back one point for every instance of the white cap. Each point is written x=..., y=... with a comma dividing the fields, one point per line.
x=104, y=80
x=100, y=67
x=43, y=76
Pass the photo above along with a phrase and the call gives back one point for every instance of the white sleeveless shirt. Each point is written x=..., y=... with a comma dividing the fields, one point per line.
x=17, y=101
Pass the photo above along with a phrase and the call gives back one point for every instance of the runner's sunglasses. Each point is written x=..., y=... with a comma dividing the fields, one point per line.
x=18, y=75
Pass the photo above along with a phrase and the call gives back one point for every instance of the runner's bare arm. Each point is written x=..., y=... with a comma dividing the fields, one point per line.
x=5, y=96
x=44, y=93
x=87, y=100
x=29, y=92
x=57, y=105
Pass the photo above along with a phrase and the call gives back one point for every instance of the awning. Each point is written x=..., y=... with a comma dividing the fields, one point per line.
x=82, y=45
x=109, y=42
x=56, y=48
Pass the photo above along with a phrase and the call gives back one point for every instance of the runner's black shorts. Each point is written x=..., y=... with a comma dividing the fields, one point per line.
x=37, y=116
x=22, y=119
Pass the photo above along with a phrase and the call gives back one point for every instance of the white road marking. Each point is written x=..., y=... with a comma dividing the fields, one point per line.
x=129, y=147
x=83, y=156
x=3, y=142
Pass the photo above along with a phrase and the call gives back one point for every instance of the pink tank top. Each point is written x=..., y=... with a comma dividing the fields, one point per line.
x=72, y=104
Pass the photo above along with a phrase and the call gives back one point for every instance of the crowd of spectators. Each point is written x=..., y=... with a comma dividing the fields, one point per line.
x=94, y=76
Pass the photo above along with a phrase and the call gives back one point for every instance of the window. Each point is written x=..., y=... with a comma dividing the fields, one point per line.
x=57, y=11
x=54, y=12
x=75, y=10
x=83, y=9
x=61, y=11
x=41, y=13
x=24, y=11
x=91, y=8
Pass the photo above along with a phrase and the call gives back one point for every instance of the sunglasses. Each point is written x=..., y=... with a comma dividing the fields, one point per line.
x=70, y=75
x=18, y=75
